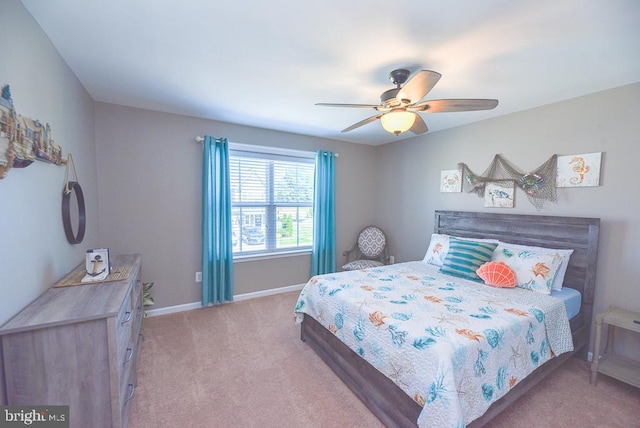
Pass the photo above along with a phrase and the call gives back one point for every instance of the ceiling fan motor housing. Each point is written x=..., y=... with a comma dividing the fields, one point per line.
x=398, y=77
x=388, y=98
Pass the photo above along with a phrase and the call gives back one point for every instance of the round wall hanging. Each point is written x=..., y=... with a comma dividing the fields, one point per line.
x=73, y=188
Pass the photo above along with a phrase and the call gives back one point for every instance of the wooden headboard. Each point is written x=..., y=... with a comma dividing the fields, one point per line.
x=577, y=233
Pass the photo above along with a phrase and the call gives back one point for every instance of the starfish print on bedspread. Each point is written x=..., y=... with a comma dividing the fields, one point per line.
x=320, y=315
x=490, y=301
x=419, y=289
x=369, y=303
x=452, y=319
x=399, y=368
x=516, y=356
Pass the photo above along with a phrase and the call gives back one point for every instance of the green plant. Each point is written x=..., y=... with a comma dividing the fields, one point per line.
x=287, y=225
x=147, y=300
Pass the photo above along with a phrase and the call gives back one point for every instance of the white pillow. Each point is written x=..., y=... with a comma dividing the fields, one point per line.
x=564, y=253
x=439, y=247
x=534, y=270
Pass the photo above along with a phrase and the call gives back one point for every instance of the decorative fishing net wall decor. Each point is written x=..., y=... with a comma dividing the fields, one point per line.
x=539, y=184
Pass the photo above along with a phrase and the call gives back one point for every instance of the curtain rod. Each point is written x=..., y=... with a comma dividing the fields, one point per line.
x=200, y=139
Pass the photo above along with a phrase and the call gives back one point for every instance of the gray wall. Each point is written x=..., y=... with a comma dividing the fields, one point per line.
x=34, y=252
x=409, y=177
x=149, y=171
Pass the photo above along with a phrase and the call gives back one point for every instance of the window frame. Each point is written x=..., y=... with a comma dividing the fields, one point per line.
x=271, y=207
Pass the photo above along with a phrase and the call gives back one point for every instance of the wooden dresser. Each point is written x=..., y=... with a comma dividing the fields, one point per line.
x=77, y=346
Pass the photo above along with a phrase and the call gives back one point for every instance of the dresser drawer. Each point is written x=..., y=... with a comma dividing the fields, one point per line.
x=137, y=293
x=124, y=328
x=125, y=366
x=126, y=406
x=138, y=310
x=128, y=381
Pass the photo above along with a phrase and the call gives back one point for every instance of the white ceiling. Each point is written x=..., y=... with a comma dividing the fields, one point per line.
x=266, y=63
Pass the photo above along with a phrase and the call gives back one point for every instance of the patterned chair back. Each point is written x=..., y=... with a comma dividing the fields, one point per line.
x=371, y=242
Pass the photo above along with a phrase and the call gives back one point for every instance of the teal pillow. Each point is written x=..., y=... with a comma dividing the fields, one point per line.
x=465, y=257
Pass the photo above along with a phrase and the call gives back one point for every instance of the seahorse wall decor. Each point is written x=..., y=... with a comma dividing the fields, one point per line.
x=23, y=140
x=579, y=170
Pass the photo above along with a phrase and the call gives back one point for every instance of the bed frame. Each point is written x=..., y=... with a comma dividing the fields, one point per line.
x=385, y=399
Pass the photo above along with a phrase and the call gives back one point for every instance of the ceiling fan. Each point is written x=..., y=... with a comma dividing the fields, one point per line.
x=399, y=106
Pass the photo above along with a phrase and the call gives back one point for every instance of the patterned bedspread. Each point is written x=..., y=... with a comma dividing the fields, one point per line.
x=454, y=346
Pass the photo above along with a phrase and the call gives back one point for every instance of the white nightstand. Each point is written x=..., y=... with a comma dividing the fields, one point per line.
x=609, y=363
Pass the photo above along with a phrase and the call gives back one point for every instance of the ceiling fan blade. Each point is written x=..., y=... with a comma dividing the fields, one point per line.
x=419, y=127
x=349, y=105
x=362, y=122
x=445, y=106
x=419, y=86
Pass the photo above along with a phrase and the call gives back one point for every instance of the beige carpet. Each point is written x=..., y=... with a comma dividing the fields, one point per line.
x=243, y=365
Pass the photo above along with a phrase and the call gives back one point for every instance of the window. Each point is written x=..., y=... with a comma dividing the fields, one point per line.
x=271, y=199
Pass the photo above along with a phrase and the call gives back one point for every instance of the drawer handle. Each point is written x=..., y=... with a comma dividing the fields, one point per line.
x=129, y=356
x=127, y=318
x=133, y=389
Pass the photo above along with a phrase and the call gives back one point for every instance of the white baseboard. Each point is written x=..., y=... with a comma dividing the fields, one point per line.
x=236, y=298
x=173, y=309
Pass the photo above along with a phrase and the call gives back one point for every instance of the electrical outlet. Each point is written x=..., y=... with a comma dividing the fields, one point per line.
x=392, y=260
x=198, y=276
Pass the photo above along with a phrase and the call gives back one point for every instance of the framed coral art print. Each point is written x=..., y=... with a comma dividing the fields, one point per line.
x=450, y=181
x=579, y=170
x=499, y=195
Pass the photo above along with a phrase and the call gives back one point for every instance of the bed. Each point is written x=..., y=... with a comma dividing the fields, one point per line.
x=393, y=405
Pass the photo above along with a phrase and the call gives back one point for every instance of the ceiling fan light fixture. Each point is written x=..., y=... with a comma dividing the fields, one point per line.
x=398, y=121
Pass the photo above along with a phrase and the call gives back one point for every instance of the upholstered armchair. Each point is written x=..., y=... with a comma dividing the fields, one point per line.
x=370, y=250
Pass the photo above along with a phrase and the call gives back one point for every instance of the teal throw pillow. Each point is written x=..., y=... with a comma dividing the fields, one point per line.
x=465, y=257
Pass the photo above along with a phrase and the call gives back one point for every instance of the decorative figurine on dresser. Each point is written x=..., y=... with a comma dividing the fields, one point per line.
x=78, y=345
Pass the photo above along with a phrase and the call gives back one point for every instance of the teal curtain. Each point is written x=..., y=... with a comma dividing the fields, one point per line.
x=323, y=258
x=217, y=245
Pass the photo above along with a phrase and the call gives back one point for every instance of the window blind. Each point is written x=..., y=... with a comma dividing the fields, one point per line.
x=272, y=201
